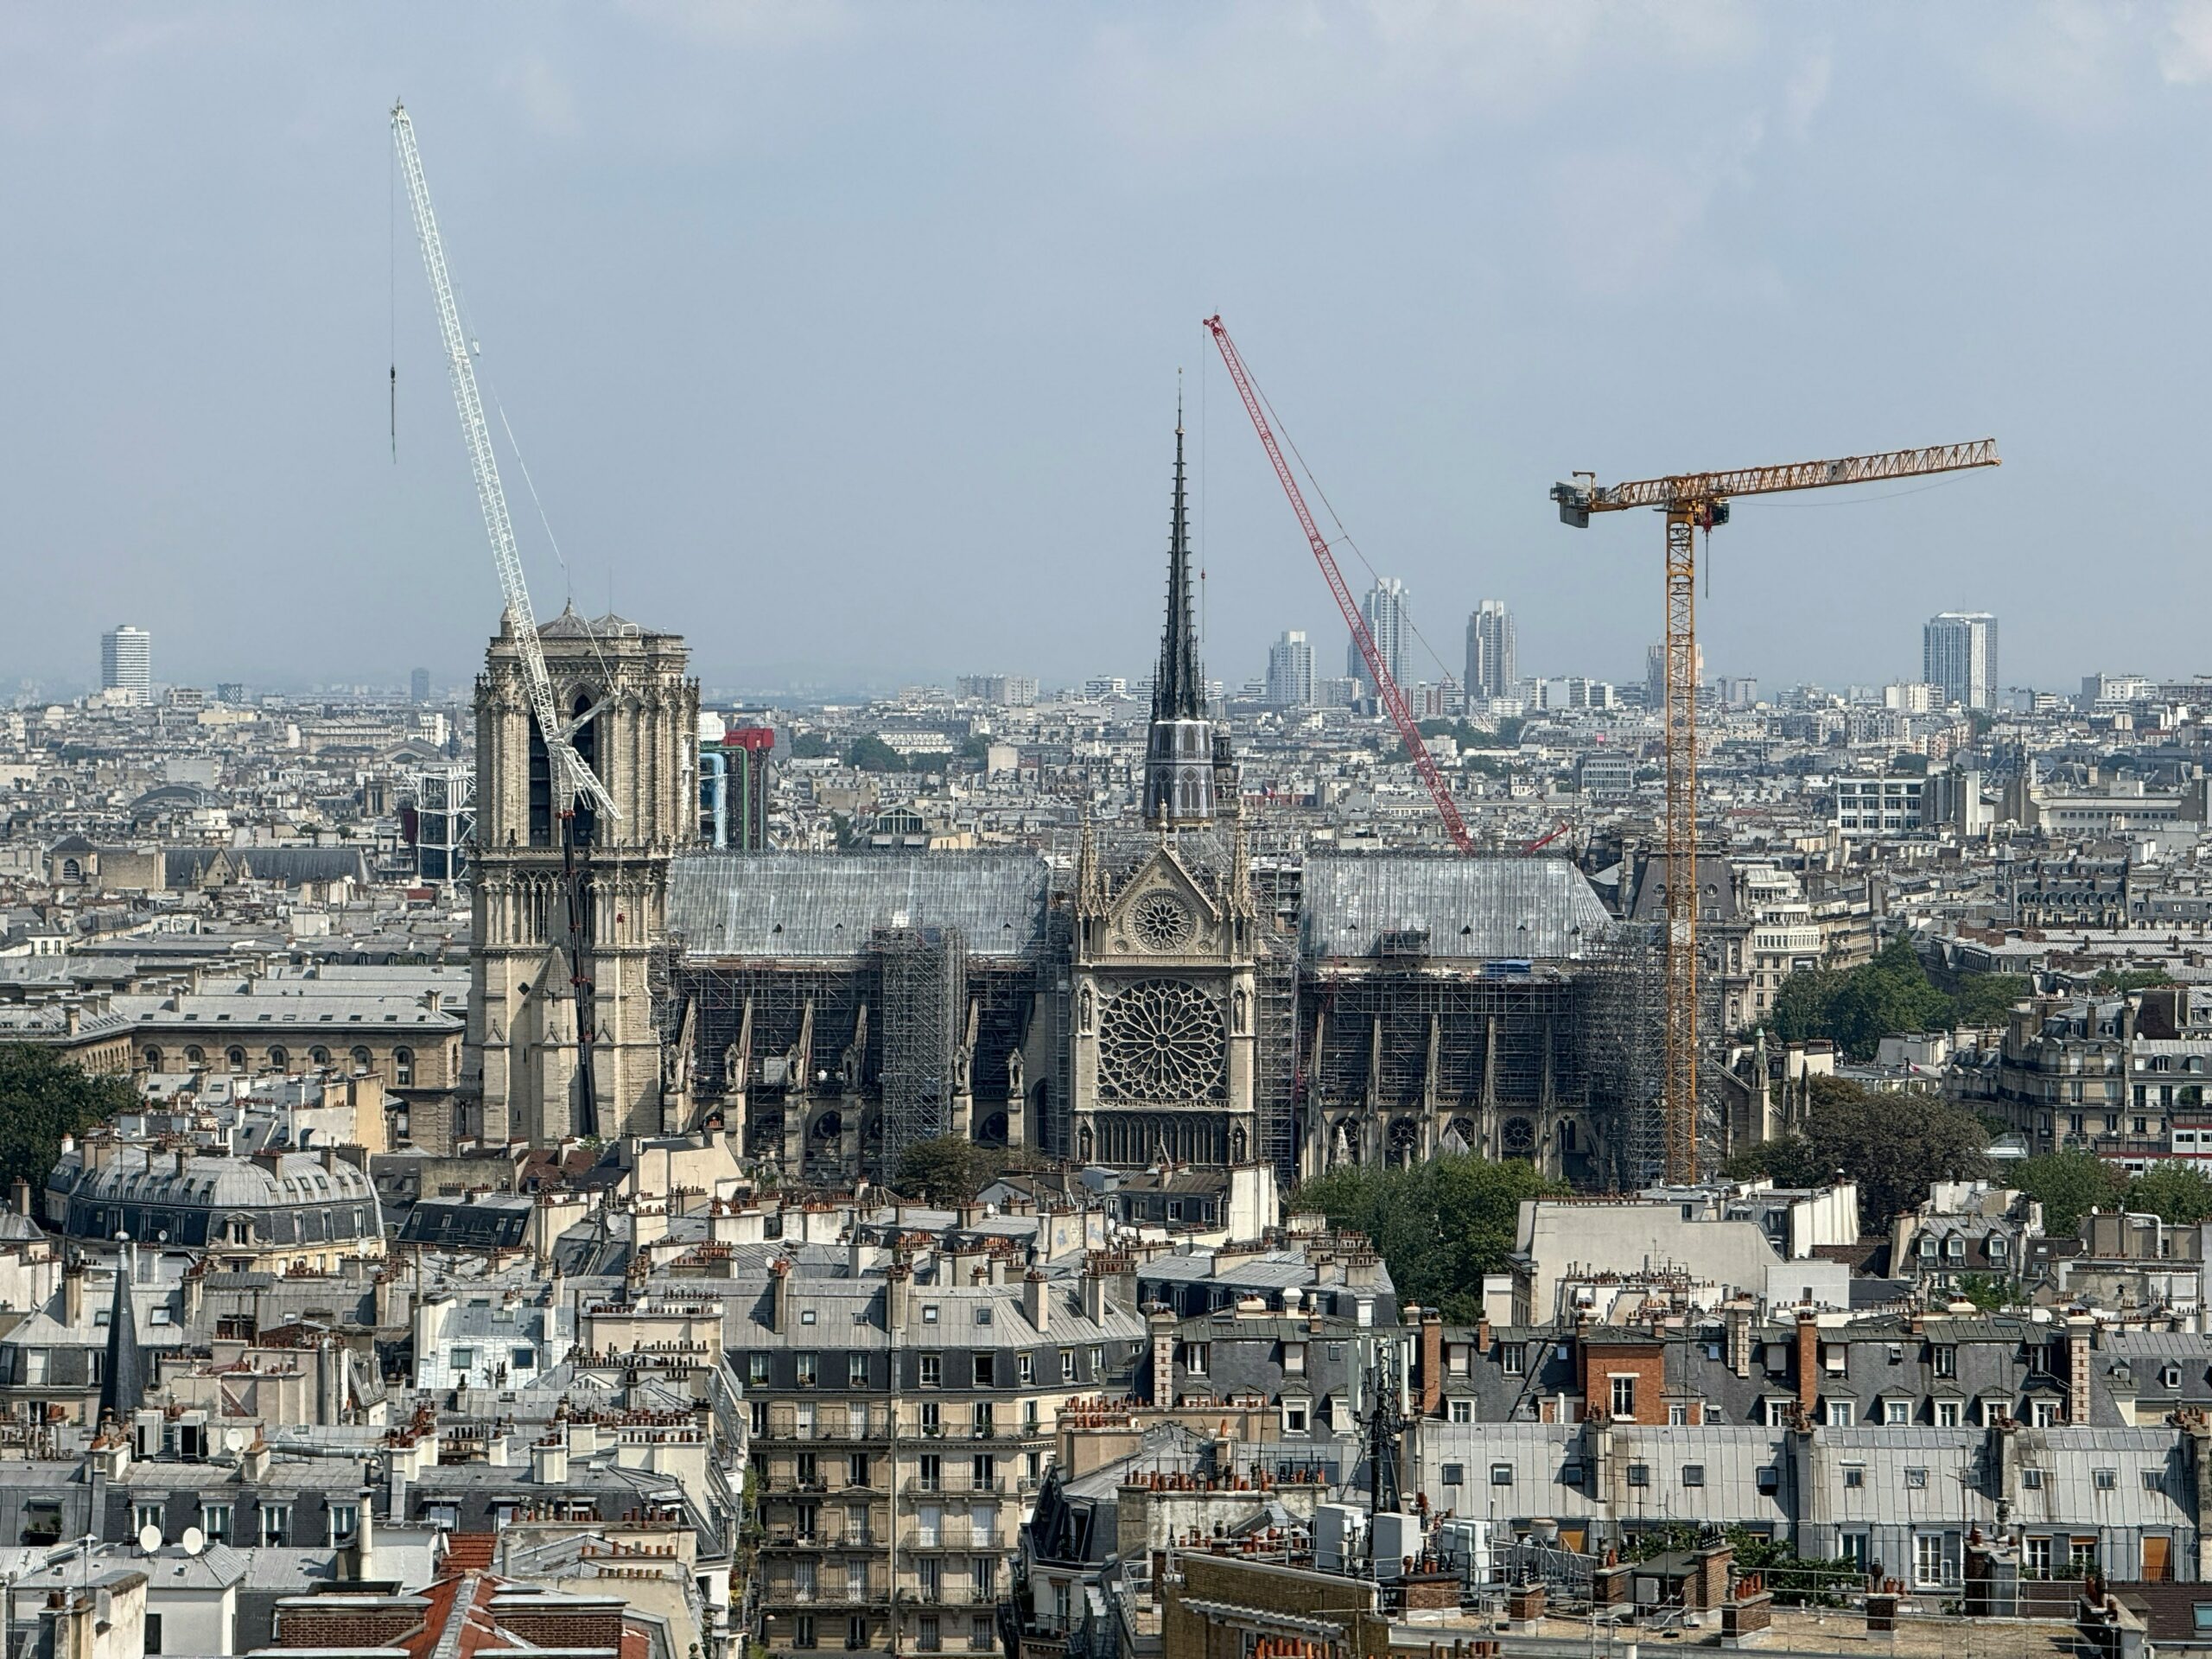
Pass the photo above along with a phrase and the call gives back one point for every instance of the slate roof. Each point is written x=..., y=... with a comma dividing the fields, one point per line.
x=1472, y=908
x=828, y=905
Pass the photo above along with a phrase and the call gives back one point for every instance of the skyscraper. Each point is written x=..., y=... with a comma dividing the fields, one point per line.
x=1655, y=674
x=1290, y=671
x=1492, y=671
x=1957, y=651
x=1387, y=607
x=127, y=661
x=418, y=685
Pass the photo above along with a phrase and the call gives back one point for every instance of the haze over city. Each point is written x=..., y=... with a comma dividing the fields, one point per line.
x=849, y=335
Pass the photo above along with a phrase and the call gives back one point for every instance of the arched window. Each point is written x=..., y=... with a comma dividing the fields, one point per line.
x=278, y=1059
x=234, y=1058
x=403, y=1067
x=72, y=870
x=584, y=821
x=153, y=1059
x=318, y=1055
x=361, y=1060
x=196, y=1057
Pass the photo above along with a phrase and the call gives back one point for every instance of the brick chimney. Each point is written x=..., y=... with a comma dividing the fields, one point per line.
x=780, y=1295
x=1808, y=1362
x=1738, y=1314
x=1036, y=1300
x=1432, y=1363
x=2078, y=1329
x=1162, y=1327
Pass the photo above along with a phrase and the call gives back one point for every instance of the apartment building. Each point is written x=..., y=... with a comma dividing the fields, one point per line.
x=903, y=1407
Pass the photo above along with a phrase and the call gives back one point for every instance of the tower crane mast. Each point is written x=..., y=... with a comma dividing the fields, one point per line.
x=1694, y=502
x=571, y=776
x=1386, y=688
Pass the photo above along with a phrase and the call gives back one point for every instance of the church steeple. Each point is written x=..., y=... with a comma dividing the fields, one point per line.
x=1179, y=689
x=1181, y=754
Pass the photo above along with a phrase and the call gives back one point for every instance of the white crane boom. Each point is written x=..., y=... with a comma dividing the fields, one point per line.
x=571, y=777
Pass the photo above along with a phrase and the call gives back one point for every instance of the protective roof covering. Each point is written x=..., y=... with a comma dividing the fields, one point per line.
x=829, y=904
x=1483, y=908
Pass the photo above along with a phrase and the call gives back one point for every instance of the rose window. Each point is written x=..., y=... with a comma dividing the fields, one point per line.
x=1160, y=922
x=1162, y=1040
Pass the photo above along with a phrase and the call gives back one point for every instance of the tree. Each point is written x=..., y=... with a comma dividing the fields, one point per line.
x=811, y=745
x=2174, y=1193
x=1987, y=999
x=871, y=754
x=2130, y=979
x=1441, y=1226
x=1893, y=1145
x=43, y=1097
x=950, y=1169
x=2068, y=1185
x=1856, y=1009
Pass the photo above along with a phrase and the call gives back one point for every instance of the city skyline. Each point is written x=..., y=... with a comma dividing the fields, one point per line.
x=719, y=469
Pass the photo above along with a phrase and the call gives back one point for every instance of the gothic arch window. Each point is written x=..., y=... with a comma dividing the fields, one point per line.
x=541, y=789
x=1162, y=1040
x=585, y=823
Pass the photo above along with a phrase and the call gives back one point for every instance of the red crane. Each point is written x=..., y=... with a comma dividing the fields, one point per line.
x=1386, y=688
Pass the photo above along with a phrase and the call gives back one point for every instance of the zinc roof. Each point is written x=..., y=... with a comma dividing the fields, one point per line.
x=1539, y=908
x=827, y=904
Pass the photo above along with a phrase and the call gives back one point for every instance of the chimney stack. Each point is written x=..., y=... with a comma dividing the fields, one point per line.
x=1036, y=1301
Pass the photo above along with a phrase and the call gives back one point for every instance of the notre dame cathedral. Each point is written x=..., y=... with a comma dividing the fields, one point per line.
x=1144, y=991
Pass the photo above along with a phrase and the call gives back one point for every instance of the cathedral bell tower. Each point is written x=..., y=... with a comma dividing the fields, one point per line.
x=561, y=1038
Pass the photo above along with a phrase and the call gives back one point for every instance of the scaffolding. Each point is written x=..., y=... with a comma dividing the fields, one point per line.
x=1626, y=1035
x=924, y=976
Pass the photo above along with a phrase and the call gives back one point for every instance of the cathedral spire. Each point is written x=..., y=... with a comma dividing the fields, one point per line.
x=1178, y=689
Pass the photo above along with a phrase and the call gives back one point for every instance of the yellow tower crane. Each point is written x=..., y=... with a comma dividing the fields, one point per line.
x=1692, y=502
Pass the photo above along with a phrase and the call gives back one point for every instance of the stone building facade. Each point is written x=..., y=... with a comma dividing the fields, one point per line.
x=561, y=1038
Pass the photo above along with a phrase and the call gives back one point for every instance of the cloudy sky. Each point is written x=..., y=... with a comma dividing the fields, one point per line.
x=844, y=336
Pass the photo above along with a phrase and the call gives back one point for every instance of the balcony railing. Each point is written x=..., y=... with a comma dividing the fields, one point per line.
x=954, y=1481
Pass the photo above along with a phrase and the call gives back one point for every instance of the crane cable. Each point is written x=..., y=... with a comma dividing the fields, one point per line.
x=1405, y=612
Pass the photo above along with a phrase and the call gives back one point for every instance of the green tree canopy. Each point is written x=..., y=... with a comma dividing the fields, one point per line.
x=1441, y=1226
x=1856, y=1007
x=43, y=1097
x=952, y=1169
x=811, y=745
x=1986, y=998
x=1893, y=1145
x=2068, y=1185
x=2130, y=979
x=869, y=753
x=2174, y=1192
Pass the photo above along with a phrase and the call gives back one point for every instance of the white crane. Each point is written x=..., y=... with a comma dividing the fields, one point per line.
x=571, y=776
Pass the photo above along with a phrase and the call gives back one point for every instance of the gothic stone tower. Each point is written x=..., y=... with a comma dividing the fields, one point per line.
x=1165, y=949
x=543, y=969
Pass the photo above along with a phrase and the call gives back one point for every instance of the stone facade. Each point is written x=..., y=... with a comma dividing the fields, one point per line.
x=534, y=997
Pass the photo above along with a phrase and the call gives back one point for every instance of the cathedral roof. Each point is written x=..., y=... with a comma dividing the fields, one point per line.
x=1539, y=909
x=827, y=905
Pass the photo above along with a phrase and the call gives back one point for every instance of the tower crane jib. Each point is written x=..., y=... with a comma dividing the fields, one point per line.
x=571, y=776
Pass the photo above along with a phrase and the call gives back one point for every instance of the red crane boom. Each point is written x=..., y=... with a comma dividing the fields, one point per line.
x=1386, y=688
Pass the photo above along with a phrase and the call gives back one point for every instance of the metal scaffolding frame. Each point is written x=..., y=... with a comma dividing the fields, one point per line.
x=924, y=976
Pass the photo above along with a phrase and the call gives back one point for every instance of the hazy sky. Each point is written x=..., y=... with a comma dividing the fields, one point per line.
x=843, y=337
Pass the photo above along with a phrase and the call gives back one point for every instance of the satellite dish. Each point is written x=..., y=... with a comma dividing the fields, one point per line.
x=193, y=1541
x=234, y=1439
x=149, y=1539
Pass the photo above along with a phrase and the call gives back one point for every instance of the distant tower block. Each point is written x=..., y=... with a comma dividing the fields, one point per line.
x=127, y=662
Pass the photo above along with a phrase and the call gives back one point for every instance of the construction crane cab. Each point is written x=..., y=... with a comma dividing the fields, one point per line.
x=1575, y=499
